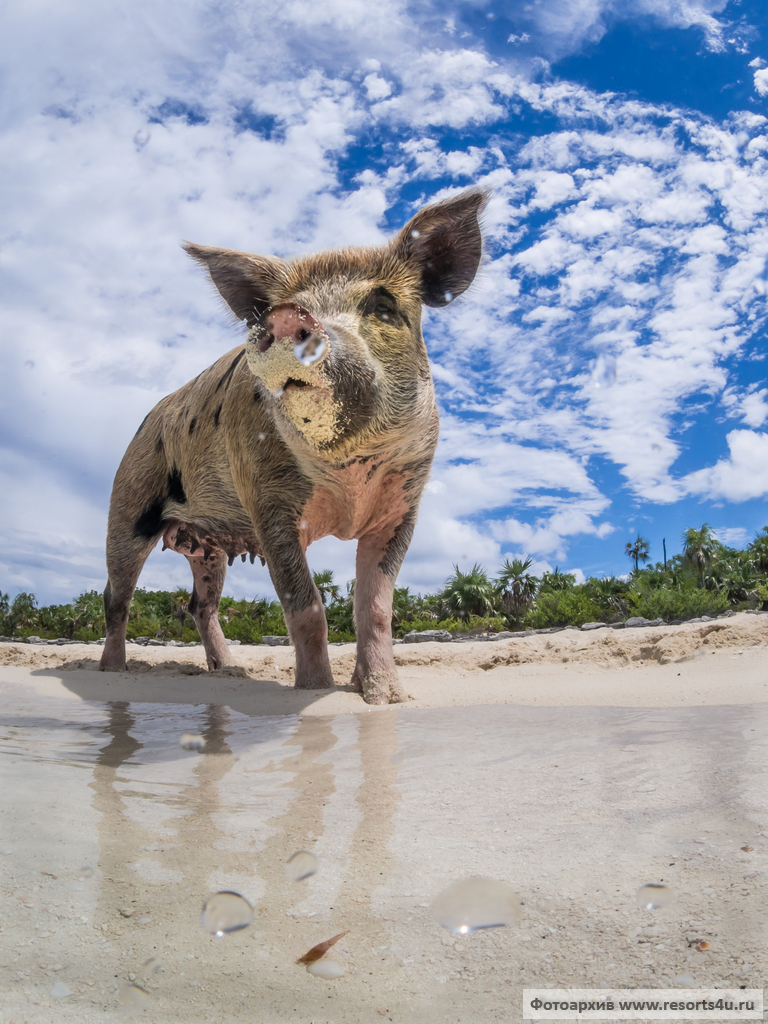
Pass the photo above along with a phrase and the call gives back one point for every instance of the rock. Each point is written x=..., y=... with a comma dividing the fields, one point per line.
x=636, y=620
x=618, y=625
x=155, y=643
x=505, y=635
x=36, y=640
x=440, y=636
x=276, y=641
x=594, y=625
x=233, y=643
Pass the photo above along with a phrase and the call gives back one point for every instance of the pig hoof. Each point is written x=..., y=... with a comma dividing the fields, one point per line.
x=383, y=688
x=321, y=680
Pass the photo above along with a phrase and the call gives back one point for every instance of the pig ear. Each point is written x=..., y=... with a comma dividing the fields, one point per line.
x=445, y=240
x=247, y=283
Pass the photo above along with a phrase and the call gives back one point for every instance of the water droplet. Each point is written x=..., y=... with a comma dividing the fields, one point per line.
x=60, y=991
x=310, y=351
x=134, y=997
x=192, y=741
x=415, y=233
x=262, y=436
x=448, y=296
x=226, y=912
x=86, y=872
x=476, y=903
x=329, y=970
x=654, y=896
x=300, y=865
x=278, y=393
x=303, y=524
x=141, y=138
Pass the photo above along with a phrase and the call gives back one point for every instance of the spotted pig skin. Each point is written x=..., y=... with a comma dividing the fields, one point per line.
x=323, y=423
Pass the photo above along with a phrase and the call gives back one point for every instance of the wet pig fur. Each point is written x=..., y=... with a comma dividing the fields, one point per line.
x=323, y=423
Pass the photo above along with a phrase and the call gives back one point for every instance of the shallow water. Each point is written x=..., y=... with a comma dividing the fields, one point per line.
x=114, y=836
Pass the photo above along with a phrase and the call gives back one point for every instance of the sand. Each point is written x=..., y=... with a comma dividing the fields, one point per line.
x=575, y=767
x=720, y=662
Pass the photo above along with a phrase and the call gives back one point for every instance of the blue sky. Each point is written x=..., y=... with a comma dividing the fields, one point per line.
x=606, y=373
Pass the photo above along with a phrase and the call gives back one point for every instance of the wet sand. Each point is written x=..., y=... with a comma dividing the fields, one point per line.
x=642, y=758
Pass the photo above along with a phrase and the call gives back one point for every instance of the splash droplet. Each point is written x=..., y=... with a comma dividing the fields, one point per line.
x=86, y=872
x=141, y=138
x=300, y=865
x=192, y=741
x=655, y=896
x=415, y=233
x=278, y=392
x=134, y=997
x=262, y=436
x=476, y=903
x=226, y=912
x=448, y=296
x=328, y=970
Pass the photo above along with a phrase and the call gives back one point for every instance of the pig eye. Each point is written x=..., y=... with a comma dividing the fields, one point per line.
x=381, y=304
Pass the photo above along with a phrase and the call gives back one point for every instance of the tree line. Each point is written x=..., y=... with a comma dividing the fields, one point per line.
x=706, y=578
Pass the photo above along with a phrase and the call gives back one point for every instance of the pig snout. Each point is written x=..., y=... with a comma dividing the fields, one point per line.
x=291, y=321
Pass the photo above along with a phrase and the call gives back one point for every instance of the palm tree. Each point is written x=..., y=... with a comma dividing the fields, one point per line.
x=517, y=587
x=759, y=550
x=326, y=586
x=637, y=549
x=23, y=612
x=609, y=592
x=180, y=606
x=89, y=608
x=469, y=593
x=699, y=548
x=556, y=580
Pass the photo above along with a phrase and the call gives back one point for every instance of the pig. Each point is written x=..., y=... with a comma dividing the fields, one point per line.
x=323, y=423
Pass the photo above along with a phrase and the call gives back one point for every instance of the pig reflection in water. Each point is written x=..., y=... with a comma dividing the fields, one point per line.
x=323, y=423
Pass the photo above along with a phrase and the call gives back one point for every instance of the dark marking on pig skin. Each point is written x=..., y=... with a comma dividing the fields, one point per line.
x=395, y=551
x=216, y=416
x=175, y=487
x=192, y=424
x=150, y=523
x=141, y=425
x=228, y=375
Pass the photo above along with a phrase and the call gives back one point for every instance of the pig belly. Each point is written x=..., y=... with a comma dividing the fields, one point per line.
x=197, y=542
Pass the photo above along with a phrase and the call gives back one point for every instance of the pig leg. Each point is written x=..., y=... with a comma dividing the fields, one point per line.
x=209, y=575
x=125, y=560
x=302, y=607
x=375, y=674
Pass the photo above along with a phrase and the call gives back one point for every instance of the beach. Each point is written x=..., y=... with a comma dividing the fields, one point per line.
x=575, y=767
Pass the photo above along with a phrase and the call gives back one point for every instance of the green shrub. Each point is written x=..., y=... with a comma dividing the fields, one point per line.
x=564, y=608
x=676, y=604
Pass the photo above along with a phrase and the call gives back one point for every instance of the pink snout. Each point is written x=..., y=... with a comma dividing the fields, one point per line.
x=289, y=320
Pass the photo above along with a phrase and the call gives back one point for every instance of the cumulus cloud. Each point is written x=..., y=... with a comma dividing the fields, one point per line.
x=623, y=281
x=743, y=475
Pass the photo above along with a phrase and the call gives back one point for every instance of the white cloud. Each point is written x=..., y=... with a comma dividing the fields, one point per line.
x=743, y=475
x=760, y=79
x=614, y=295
